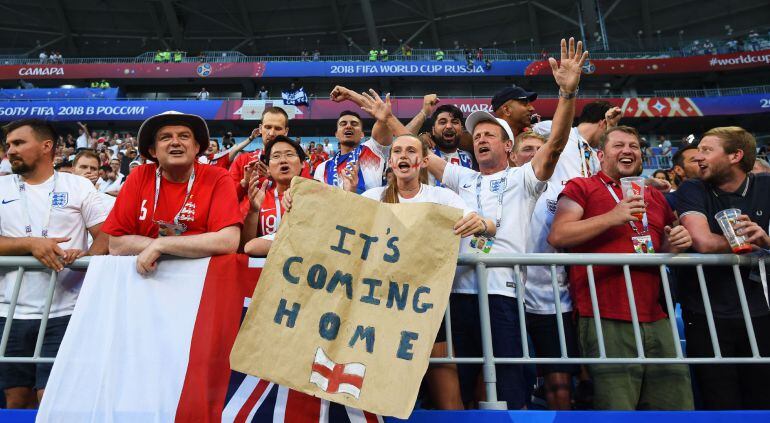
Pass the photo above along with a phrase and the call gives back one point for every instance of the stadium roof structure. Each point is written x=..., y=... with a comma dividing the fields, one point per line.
x=100, y=28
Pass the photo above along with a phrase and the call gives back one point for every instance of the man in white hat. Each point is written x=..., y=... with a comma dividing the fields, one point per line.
x=175, y=196
x=508, y=196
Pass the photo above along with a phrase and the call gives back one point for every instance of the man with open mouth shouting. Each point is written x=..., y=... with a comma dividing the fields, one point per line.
x=362, y=163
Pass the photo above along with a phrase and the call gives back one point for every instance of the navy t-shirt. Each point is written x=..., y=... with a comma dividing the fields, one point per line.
x=753, y=199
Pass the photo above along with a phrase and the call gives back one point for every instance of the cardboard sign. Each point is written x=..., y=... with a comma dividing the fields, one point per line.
x=351, y=298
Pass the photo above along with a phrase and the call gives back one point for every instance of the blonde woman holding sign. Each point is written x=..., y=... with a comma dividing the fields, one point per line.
x=408, y=160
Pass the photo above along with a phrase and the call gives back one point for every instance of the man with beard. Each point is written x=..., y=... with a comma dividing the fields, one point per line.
x=453, y=136
x=593, y=216
x=362, y=162
x=46, y=214
x=685, y=166
x=725, y=158
x=445, y=135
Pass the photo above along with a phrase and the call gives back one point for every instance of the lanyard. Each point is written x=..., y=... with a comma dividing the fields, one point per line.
x=501, y=189
x=277, y=209
x=25, y=204
x=617, y=200
x=186, y=196
x=585, y=154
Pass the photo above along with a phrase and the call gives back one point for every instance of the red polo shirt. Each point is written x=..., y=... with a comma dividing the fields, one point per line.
x=595, y=199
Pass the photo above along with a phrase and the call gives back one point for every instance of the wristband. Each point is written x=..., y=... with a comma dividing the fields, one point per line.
x=568, y=96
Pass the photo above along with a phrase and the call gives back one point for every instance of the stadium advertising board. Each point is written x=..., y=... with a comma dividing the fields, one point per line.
x=346, y=69
x=663, y=65
x=349, y=311
x=130, y=110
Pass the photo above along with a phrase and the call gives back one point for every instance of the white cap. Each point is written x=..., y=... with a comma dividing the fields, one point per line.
x=481, y=116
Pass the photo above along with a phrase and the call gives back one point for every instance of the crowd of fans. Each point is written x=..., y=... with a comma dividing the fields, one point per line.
x=523, y=188
x=53, y=57
x=753, y=41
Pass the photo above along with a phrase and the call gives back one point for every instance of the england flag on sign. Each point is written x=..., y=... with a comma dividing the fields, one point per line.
x=337, y=378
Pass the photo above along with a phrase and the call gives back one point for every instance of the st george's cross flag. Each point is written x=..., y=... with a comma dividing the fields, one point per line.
x=335, y=377
x=156, y=349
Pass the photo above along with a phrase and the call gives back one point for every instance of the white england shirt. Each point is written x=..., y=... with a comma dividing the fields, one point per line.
x=538, y=296
x=104, y=185
x=427, y=194
x=520, y=190
x=77, y=207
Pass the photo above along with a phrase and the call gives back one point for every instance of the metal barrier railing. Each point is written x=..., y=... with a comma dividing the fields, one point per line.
x=23, y=264
x=483, y=262
x=518, y=262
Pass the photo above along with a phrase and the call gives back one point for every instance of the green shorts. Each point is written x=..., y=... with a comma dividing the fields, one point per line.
x=635, y=386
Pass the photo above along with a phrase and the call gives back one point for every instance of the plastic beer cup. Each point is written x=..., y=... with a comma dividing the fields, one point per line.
x=633, y=185
x=727, y=219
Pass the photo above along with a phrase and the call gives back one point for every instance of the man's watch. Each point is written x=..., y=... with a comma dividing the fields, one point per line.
x=568, y=96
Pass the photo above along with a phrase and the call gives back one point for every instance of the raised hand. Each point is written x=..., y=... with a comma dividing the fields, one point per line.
x=255, y=133
x=613, y=116
x=428, y=103
x=256, y=192
x=373, y=104
x=340, y=94
x=567, y=71
x=247, y=171
x=350, y=178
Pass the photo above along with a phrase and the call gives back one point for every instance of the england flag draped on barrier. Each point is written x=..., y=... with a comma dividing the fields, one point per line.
x=295, y=97
x=157, y=349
